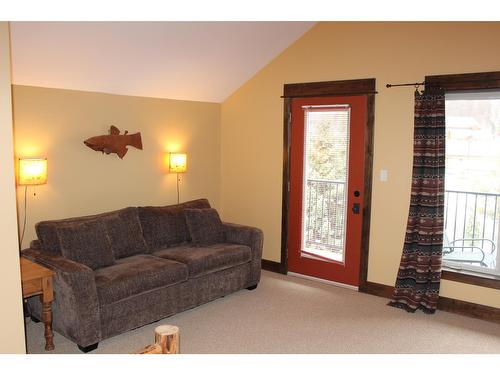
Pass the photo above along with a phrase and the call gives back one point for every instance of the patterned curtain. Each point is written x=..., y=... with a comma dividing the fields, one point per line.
x=419, y=275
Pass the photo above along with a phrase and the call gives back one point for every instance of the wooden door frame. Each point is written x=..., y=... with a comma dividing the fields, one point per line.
x=354, y=87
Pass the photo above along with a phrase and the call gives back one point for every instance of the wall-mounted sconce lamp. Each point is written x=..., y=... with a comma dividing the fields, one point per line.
x=177, y=163
x=32, y=172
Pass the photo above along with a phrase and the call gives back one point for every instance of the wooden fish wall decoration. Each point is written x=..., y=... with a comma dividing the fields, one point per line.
x=114, y=142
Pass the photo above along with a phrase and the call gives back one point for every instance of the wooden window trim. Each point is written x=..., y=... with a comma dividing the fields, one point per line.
x=330, y=88
x=467, y=82
x=472, y=278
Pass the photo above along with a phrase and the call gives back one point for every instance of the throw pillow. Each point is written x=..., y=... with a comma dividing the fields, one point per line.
x=87, y=243
x=205, y=226
x=125, y=233
x=166, y=226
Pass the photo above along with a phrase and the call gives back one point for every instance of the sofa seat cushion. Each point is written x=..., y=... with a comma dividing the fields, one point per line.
x=136, y=274
x=202, y=260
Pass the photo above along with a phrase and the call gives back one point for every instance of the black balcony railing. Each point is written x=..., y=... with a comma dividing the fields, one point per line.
x=471, y=224
x=471, y=221
x=324, y=217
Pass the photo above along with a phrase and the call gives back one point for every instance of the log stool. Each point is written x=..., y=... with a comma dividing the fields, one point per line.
x=166, y=341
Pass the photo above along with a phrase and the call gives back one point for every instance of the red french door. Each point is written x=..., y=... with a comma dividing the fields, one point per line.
x=326, y=187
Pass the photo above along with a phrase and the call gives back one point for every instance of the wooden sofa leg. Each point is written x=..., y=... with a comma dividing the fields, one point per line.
x=252, y=287
x=89, y=348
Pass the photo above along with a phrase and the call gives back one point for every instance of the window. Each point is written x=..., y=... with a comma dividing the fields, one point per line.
x=472, y=181
x=473, y=121
x=326, y=161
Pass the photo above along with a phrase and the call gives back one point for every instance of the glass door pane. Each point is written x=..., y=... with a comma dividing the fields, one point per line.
x=326, y=160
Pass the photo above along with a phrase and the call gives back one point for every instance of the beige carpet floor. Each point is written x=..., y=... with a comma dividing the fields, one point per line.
x=286, y=314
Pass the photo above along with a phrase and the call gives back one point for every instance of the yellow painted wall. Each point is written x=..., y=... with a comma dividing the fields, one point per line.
x=12, y=337
x=54, y=123
x=252, y=124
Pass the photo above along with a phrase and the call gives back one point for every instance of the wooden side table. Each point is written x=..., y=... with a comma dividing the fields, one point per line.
x=37, y=280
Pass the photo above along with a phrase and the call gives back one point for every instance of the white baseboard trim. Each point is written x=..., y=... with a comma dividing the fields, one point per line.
x=347, y=286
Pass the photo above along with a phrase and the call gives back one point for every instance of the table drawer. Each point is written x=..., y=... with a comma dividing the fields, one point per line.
x=32, y=287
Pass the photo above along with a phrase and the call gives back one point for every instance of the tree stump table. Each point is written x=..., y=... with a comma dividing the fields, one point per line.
x=166, y=341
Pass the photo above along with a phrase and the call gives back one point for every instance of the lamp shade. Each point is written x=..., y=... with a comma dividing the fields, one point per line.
x=32, y=171
x=177, y=163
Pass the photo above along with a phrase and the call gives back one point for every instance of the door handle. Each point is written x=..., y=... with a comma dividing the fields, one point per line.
x=355, y=208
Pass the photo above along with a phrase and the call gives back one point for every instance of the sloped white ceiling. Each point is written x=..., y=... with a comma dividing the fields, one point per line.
x=202, y=61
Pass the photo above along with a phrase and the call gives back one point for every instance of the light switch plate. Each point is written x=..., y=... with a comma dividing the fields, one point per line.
x=384, y=175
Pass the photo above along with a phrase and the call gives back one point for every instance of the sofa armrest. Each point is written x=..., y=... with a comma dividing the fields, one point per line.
x=56, y=263
x=253, y=238
x=245, y=235
x=76, y=306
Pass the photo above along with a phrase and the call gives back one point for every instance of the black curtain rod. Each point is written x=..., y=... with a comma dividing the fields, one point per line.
x=405, y=84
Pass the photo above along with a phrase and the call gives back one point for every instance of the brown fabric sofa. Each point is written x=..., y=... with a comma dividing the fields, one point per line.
x=155, y=269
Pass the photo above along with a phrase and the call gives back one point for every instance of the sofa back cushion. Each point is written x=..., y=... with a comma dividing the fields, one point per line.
x=166, y=226
x=125, y=236
x=87, y=243
x=205, y=226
